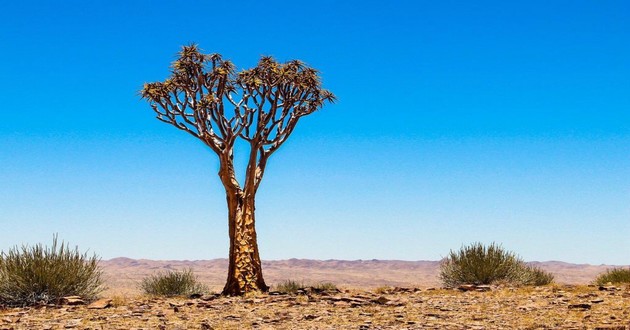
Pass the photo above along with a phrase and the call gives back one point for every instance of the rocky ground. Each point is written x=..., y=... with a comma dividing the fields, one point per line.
x=468, y=307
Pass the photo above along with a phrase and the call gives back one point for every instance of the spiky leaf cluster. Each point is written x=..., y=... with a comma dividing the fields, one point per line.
x=205, y=97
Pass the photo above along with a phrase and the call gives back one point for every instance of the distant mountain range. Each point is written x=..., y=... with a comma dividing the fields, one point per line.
x=124, y=274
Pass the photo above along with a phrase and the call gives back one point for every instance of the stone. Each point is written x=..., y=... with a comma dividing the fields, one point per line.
x=210, y=297
x=380, y=300
x=607, y=288
x=580, y=306
x=72, y=324
x=483, y=288
x=205, y=325
x=100, y=304
x=72, y=300
x=467, y=287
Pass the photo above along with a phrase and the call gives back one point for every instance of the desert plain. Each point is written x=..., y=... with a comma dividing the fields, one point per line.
x=370, y=294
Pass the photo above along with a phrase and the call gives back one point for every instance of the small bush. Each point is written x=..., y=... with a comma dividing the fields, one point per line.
x=479, y=264
x=535, y=276
x=289, y=286
x=325, y=286
x=292, y=287
x=614, y=275
x=173, y=283
x=41, y=275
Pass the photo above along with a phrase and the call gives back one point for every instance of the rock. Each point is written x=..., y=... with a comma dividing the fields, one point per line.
x=72, y=324
x=210, y=297
x=100, y=304
x=580, y=306
x=72, y=300
x=205, y=325
x=607, y=288
x=483, y=288
x=597, y=301
x=380, y=300
x=467, y=287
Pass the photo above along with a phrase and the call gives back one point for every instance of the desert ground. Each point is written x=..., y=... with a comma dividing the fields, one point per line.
x=124, y=274
x=371, y=295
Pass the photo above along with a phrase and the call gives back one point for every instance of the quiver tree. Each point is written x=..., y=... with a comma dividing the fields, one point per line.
x=207, y=98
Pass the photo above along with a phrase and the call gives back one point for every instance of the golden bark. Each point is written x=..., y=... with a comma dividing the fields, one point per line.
x=245, y=268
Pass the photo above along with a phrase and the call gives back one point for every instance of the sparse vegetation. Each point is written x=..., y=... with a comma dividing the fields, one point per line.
x=42, y=275
x=325, y=286
x=479, y=264
x=292, y=286
x=173, y=283
x=535, y=276
x=614, y=275
x=289, y=286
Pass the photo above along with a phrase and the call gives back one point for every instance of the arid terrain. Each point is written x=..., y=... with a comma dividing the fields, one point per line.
x=370, y=295
x=124, y=274
x=550, y=307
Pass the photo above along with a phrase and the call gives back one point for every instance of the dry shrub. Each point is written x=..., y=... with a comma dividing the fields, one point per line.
x=479, y=264
x=42, y=275
x=614, y=275
x=173, y=283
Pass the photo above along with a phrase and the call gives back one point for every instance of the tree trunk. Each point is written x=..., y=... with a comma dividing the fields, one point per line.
x=245, y=269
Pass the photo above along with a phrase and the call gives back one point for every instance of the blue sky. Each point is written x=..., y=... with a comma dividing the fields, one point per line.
x=456, y=122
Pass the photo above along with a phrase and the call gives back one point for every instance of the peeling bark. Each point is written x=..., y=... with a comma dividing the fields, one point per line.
x=245, y=268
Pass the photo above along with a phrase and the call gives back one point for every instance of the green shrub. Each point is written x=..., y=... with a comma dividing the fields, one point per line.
x=614, y=275
x=173, y=283
x=41, y=275
x=531, y=275
x=479, y=264
x=289, y=286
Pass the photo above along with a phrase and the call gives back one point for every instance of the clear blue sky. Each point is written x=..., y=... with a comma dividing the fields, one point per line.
x=456, y=122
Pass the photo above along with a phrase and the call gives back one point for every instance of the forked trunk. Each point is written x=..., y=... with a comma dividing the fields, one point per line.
x=245, y=269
